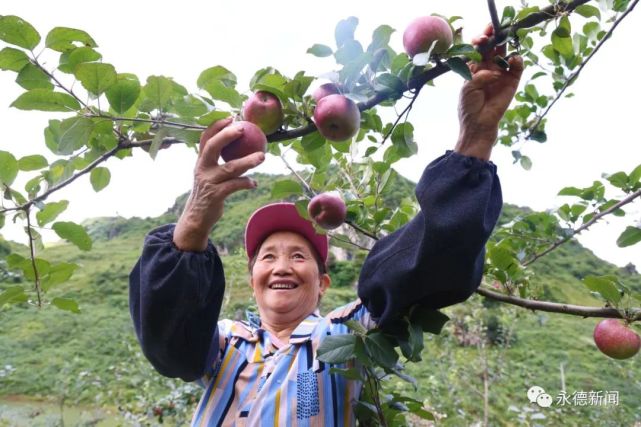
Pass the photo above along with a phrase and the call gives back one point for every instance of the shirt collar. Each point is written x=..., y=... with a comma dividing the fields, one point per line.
x=250, y=329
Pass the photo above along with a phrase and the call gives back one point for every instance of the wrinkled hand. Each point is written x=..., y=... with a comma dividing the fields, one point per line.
x=484, y=100
x=213, y=182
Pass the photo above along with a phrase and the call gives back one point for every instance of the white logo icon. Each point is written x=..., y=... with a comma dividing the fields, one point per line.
x=538, y=395
x=534, y=392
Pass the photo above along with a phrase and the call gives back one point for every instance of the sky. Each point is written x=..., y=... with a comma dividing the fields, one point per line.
x=594, y=132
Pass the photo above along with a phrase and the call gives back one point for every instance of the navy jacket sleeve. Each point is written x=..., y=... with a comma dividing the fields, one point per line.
x=175, y=299
x=437, y=258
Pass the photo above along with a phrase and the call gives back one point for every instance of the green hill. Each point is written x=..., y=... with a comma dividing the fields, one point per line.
x=487, y=351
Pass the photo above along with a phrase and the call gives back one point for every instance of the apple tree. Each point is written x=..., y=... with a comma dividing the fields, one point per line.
x=342, y=144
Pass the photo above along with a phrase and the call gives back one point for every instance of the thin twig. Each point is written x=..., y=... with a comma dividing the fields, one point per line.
x=32, y=250
x=575, y=75
x=558, y=243
x=60, y=85
x=405, y=113
x=634, y=314
x=308, y=188
x=153, y=121
x=349, y=242
x=63, y=184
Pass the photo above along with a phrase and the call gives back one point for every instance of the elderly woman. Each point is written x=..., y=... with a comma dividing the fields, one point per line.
x=264, y=371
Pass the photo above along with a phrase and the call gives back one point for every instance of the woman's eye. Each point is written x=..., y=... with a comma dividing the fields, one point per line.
x=299, y=256
x=268, y=256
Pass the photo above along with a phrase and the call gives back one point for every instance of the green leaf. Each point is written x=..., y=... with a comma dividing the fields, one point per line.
x=273, y=83
x=69, y=60
x=459, y=66
x=539, y=136
x=42, y=266
x=158, y=92
x=356, y=326
x=124, y=93
x=429, y=320
x=73, y=233
x=630, y=236
x=156, y=143
x=464, y=50
x=380, y=38
x=74, y=134
x=62, y=39
x=217, y=73
x=50, y=211
x=219, y=91
x=320, y=50
x=190, y=106
x=563, y=45
x=587, y=11
x=301, y=208
x=100, y=177
x=526, y=162
x=381, y=349
x=12, y=59
x=66, y=304
x=604, y=285
x=337, y=348
x=212, y=117
x=12, y=295
x=32, y=163
x=8, y=168
x=635, y=176
x=32, y=77
x=46, y=100
x=96, y=77
x=16, y=31
x=58, y=274
x=285, y=188
x=345, y=30
x=403, y=140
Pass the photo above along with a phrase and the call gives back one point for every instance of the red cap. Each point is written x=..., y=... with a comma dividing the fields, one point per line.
x=281, y=217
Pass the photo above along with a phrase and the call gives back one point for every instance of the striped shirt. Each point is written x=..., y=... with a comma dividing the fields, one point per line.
x=254, y=383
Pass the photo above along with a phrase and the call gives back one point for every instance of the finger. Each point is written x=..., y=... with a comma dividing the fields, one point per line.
x=516, y=66
x=483, y=78
x=235, y=168
x=479, y=40
x=213, y=146
x=489, y=30
x=237, y=184
x=212, y=130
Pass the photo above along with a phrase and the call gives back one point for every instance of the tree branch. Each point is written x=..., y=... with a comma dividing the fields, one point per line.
x=575, y=75
x=32, y=251
x=558, y=243
x=633, y=314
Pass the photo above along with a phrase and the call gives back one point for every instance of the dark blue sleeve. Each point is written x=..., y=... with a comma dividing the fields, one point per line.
x=175, y=299
x=437, y=258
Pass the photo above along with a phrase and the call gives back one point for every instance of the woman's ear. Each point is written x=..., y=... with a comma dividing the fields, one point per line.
x=325, y=283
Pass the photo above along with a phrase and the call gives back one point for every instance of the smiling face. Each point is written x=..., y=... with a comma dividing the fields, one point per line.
x=286, y=279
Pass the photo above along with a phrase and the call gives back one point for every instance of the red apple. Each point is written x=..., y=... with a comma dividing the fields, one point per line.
x=264, y=110
x=615, y=339
x=337, y=117
x=251, y=141
x=327, y=210
x=422, y=32
x=324, y=90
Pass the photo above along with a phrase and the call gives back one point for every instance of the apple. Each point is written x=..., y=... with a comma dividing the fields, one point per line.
x=337, y=117
x=422, y=32
x=264, y=110
x=324, y=90
x=251, y=141
x=615, y=339
x=327, y=210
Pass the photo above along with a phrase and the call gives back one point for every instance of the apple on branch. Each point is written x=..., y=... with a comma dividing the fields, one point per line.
x=337, y=117
x=264, y=110
x=327, y=210
x=324, y=90
x=615, y=339
x=422, y=32
x=251, y=141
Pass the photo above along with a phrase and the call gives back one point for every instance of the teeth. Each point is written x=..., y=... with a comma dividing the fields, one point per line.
x=282, y=286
